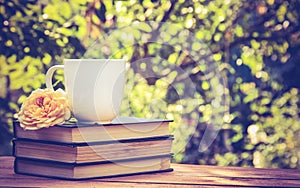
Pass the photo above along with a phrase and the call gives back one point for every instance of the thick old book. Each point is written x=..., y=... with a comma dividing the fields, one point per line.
x=93, y=152
x=121, y=128
x=92, y=170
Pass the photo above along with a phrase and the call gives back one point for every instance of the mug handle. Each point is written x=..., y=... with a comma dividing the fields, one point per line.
x=50, y=73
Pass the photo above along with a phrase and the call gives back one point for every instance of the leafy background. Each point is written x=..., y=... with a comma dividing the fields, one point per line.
x=251, y=47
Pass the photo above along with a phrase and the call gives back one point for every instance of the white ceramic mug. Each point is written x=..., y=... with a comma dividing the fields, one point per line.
x=94, y=87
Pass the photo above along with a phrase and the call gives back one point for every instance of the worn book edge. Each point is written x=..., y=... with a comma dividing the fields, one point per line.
x=97, y=177
x=120, y=120
x=93, y=163
x=85, y=178
x=166, y=137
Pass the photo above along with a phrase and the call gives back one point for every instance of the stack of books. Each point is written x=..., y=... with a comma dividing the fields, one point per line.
x=75, y=150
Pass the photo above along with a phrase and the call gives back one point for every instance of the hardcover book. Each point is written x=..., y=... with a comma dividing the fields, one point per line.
x=76, y=150
x=92, y=170
x=93, y=152
x=121, y=128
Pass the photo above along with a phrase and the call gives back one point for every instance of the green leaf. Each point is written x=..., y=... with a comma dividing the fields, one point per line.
x=143, y=26
x=239, y=31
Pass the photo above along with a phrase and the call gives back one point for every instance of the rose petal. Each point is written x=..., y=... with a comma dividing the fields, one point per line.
x=44, y=108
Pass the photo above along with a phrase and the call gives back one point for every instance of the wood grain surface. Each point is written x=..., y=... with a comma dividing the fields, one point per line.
x=183, y=176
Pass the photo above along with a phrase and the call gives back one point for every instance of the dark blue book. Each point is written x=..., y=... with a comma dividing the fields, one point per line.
x=121, y=128
x=75, y=171
x=80, y=153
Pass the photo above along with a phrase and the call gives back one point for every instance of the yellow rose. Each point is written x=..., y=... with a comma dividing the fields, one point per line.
x=44, y=108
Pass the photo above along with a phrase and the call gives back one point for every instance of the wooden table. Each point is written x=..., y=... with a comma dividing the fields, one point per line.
x=182, y=176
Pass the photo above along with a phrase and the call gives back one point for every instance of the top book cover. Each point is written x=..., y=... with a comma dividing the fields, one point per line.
x=121, y=128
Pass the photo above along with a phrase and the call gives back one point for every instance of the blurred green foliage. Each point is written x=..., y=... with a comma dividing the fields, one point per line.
x=181, y=55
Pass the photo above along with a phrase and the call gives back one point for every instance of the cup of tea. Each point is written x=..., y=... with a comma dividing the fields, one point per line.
x=94, y=87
